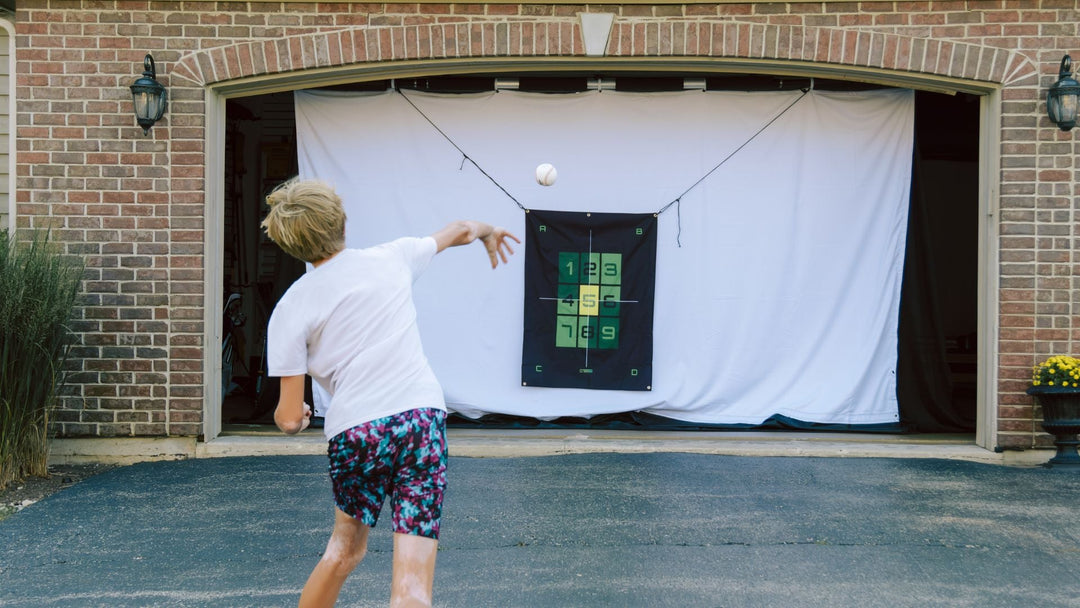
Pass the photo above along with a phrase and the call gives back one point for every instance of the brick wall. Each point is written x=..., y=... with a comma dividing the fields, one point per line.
x=6, y=211
x=134, y=205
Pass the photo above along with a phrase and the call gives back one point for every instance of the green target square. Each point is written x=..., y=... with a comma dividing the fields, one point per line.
x=586, y=332
x=611, y=268
x=569, y=267
x=590, y=268
x=568, y=300
x=607, y=335
x=609, y=300
x=566, y=331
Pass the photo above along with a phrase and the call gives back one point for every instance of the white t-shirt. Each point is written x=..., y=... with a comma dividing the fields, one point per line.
x=351, y=324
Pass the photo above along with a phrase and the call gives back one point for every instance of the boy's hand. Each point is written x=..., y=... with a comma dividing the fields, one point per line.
x=306, y=421
x=466, y=231
x=495, y=242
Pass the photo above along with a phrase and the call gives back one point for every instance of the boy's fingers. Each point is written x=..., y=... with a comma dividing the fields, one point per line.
x=495, y=244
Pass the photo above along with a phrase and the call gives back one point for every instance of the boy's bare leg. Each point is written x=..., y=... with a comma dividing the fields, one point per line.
x=414, y=571
x=346, y=548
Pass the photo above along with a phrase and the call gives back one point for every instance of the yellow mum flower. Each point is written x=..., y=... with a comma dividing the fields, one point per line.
x=1057, y=371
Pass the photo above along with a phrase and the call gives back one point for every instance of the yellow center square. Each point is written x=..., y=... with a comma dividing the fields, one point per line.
x=589, y=300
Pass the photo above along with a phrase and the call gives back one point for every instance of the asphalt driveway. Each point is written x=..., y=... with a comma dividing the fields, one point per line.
x=658, y=529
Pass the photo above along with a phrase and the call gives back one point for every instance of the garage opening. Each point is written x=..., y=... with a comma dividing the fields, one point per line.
x=937, y=331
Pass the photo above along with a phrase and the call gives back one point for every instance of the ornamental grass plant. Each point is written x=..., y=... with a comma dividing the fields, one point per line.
x=1060, y=372
x=38, y=291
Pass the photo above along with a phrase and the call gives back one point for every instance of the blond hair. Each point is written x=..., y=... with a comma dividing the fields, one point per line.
x=306, y=219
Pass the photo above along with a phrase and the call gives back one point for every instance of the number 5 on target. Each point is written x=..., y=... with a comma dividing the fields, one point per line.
x=589, y=300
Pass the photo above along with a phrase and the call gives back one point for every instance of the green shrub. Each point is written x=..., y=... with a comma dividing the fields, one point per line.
x=38, y=290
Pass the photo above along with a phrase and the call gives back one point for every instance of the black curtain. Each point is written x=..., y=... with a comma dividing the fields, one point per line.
x=930, y=399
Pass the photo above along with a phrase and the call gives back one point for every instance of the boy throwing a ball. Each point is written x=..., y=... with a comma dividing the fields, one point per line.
x=350, y=323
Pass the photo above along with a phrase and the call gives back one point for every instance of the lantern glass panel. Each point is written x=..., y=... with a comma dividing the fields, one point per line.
x=1066, y=106
x=149, y=104
x=143, y=100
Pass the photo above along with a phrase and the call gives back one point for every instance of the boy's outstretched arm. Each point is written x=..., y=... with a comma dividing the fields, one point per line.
x=466, y=231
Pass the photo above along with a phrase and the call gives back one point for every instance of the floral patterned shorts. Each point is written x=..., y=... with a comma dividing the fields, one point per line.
x=403, y=456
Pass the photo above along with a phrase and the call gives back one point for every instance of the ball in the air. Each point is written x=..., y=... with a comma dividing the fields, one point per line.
x=546, y=174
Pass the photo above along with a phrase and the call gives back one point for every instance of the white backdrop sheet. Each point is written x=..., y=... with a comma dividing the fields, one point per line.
x=783, y=297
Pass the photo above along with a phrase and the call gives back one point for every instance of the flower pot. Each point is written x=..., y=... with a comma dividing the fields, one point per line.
x=1061, y=418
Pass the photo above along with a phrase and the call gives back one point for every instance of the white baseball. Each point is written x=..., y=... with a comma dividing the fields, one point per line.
x=546, y=174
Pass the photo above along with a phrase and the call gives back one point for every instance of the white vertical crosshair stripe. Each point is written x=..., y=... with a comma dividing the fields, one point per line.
x=579, y=304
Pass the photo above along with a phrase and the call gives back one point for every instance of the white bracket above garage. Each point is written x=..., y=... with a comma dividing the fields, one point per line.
x=595, y=30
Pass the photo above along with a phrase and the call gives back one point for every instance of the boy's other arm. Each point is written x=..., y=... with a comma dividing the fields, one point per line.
x=292, y=414
x=464, y=232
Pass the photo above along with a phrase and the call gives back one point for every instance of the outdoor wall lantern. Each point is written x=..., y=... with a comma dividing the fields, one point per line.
x=1063, y=96
x=150, y=98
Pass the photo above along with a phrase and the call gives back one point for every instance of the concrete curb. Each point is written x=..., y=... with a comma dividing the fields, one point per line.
x=501, y=443
x=120, y=450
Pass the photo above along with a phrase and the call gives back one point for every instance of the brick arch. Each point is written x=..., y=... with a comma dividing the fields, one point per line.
x=629, y=38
